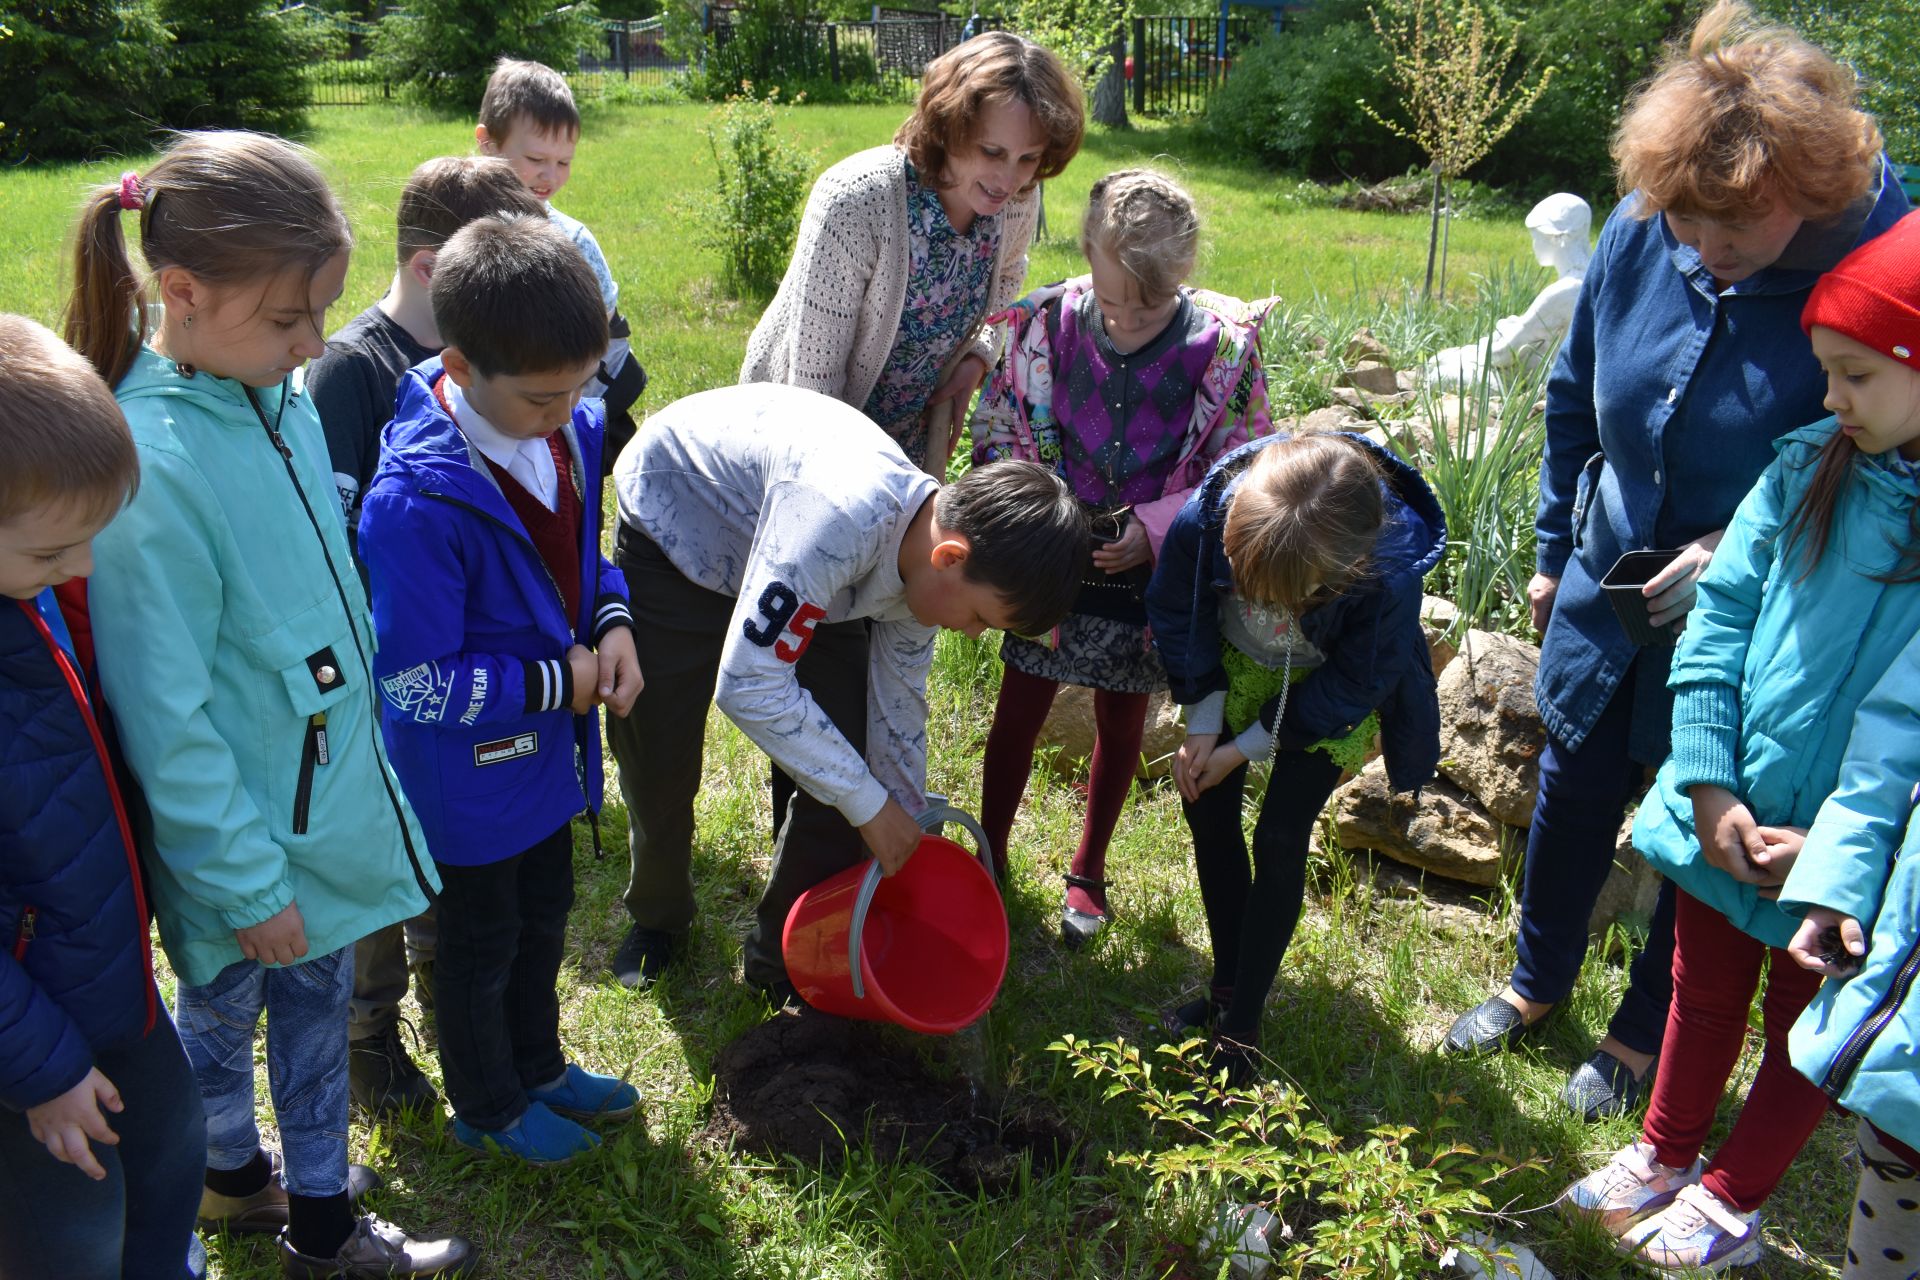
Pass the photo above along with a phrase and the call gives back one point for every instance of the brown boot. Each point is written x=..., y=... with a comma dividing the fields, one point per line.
x=378, y=1249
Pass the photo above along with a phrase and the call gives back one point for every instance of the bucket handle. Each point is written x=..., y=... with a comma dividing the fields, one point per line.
x=936, y=815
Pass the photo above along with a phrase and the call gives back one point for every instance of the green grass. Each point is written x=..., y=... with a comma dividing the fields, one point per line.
x=1375, y=972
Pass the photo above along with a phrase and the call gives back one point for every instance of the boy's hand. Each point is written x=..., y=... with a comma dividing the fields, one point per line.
x=279, y=939
x=1729, y=837
x=1829, y=942
x=1783, y=845
x=1190, y=761
x=892, y=835
x=620, y=681
x=63, y=1124
x=1224, y=759
x=586, y=679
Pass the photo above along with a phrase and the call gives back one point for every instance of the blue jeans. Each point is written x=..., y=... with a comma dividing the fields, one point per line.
x=138, y=1223
x=1570, y=847
x=306, y=1007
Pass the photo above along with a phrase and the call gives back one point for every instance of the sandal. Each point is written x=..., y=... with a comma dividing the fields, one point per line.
x=1077, y=928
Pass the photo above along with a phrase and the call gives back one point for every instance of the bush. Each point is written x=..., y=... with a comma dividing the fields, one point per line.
x=235, y=64
x=760, y=188
x=444, y=50
x=76, y=78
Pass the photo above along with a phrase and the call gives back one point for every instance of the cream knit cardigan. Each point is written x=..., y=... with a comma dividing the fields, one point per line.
x=833, y=322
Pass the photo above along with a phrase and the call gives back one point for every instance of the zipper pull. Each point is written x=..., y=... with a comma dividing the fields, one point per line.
x=319, y=724
x=280, y=444
x=28, y=916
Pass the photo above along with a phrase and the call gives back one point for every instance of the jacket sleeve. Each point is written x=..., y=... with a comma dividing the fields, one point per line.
x=810, y=547
x=1712, y=653
x=419, y=576
x=1852, y=843
x=157, y=600
x=1572, y=426
x=1181, y=613
x=350, y=409
x=829, y=273
x=1354, y=679
x=899, y=655
x=42, y=1050
x=612, y=606
x=1007, y=397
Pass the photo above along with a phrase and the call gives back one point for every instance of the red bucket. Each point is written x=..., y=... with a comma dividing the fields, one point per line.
x=925, y=948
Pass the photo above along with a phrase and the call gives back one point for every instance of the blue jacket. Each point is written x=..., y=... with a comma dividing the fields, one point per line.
x=1860, y=1038
x=473, y=633
x=1377, y=656
x=76, y=974
x=1661, y=412
x=1773, y=664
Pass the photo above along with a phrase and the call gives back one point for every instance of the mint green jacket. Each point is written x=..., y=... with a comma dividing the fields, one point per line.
x=1773, y=664
x=235, y=654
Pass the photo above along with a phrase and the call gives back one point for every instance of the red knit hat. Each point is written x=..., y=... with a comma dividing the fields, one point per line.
x=1873, y=295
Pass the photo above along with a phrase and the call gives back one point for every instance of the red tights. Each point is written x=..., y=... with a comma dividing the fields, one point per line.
x=1119, y=723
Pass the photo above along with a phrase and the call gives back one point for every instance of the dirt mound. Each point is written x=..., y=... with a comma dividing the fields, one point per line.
x=795, y=1084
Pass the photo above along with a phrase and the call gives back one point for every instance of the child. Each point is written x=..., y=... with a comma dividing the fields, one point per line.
x=776, y=539
x=233, y=644
x=91, y=1070
x=1298, y=561
x=1805, y=606
x=352, y=385
x=482, y=538
x=527, y=118
x=1130, y=384
x=1858, y=881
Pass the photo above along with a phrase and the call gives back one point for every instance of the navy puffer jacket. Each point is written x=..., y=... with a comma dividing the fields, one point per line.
x=1377, y=657
x=76, y=973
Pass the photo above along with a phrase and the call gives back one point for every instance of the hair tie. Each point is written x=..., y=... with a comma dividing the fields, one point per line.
x=131, y=196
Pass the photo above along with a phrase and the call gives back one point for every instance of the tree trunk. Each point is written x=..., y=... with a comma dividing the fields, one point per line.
x=1110, y=94
x=1433, y=236
x=1446, y=239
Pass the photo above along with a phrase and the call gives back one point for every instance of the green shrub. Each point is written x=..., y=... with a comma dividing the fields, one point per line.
x=760, y=188
x=1877, y=37
x=444, y=50
x=235, y=64
x=76, y=78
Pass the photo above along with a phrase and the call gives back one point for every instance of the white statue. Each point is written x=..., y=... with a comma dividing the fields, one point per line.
x=1560, y=225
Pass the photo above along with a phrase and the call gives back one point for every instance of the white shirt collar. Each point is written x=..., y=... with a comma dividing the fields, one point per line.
x=528, y=461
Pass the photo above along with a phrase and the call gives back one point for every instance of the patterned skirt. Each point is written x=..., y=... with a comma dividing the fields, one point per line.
x=1097, y=653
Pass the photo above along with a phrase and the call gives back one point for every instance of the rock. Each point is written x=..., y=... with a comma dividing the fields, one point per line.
x=1350, y=398
x=1364, y=346
x=1490, y=730
x=1070, y=727
x=1437, y=618
x=1331, y=418
x=1448, y=833
x=1408, y=435
x=1631, y=887
x=1510, y=1261
x=1375, y=377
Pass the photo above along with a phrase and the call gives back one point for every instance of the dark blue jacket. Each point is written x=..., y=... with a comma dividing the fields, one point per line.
x=76, y=974
x=473, y=633
x=1377, y=656
x=1662, y=411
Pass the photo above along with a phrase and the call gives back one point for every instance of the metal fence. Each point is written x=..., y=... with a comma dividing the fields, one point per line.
x=1174, y=64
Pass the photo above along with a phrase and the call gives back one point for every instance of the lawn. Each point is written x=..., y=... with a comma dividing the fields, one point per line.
x=1375, y=972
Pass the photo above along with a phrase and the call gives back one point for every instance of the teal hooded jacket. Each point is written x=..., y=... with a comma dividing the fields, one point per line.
x=235, y=653
x=1860, y=1038
x=1774, y=662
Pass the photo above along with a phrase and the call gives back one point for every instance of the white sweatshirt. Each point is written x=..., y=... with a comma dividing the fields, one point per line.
x=794, y=504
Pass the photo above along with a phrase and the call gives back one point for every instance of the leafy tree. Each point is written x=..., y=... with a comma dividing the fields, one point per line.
x=444, y=50
x=76, y=78
x=1878, y=38
x=1090, y=38
x=234, y=64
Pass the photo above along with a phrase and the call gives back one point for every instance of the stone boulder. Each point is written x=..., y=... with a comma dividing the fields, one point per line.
x=1336, y=417
x=1447, y=833
x=1437, y=617
x=1070, y=727
x=1364, y=346
x=1375, y=377
x=1490, y=730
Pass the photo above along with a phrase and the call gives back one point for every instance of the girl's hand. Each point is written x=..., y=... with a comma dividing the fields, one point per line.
x=1783, y=845
x=62, y=1125
x=1126, y=551
x=1224, y=760
x=620, y=681
x=1541, y=590
x=1729, y=837
x=1829, y=942
x=962, y=382
x=1191, y=759
x=279, y=939
x=1673, y=591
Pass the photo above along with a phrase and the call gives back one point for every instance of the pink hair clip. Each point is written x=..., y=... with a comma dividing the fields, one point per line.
x=131, y=196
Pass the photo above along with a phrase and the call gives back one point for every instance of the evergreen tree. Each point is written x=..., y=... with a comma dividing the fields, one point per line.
x=444, y=50
x=77, y=78
x=234, y=64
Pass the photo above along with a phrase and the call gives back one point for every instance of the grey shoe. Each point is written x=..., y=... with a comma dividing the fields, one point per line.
x=1488, y=1027
x=379, y=1249
x=1603, y=1086
x=1078, y=928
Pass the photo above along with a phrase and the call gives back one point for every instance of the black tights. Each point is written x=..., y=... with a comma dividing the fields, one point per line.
x=1251, y=912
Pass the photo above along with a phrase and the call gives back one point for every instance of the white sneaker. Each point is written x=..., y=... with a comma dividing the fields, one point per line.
x=1699, y=1231
x=1627, y=1188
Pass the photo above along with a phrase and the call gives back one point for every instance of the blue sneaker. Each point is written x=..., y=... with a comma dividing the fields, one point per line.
x=537, y=1137
x=582, y=1095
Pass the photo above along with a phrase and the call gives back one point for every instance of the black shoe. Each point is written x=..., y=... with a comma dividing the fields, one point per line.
x=379, y=1249
x=781, y=997
x=643, y=956
x=386, y=1082
x=1602, y=1086
x=1195, y=1018
x=1488, y=1027
x=1238, y=1059
x=1078, y=928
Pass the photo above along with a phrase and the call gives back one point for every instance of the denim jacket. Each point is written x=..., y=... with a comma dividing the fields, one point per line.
x=1662, y=411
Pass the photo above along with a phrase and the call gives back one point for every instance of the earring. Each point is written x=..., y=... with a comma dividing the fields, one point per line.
x=187, y=323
